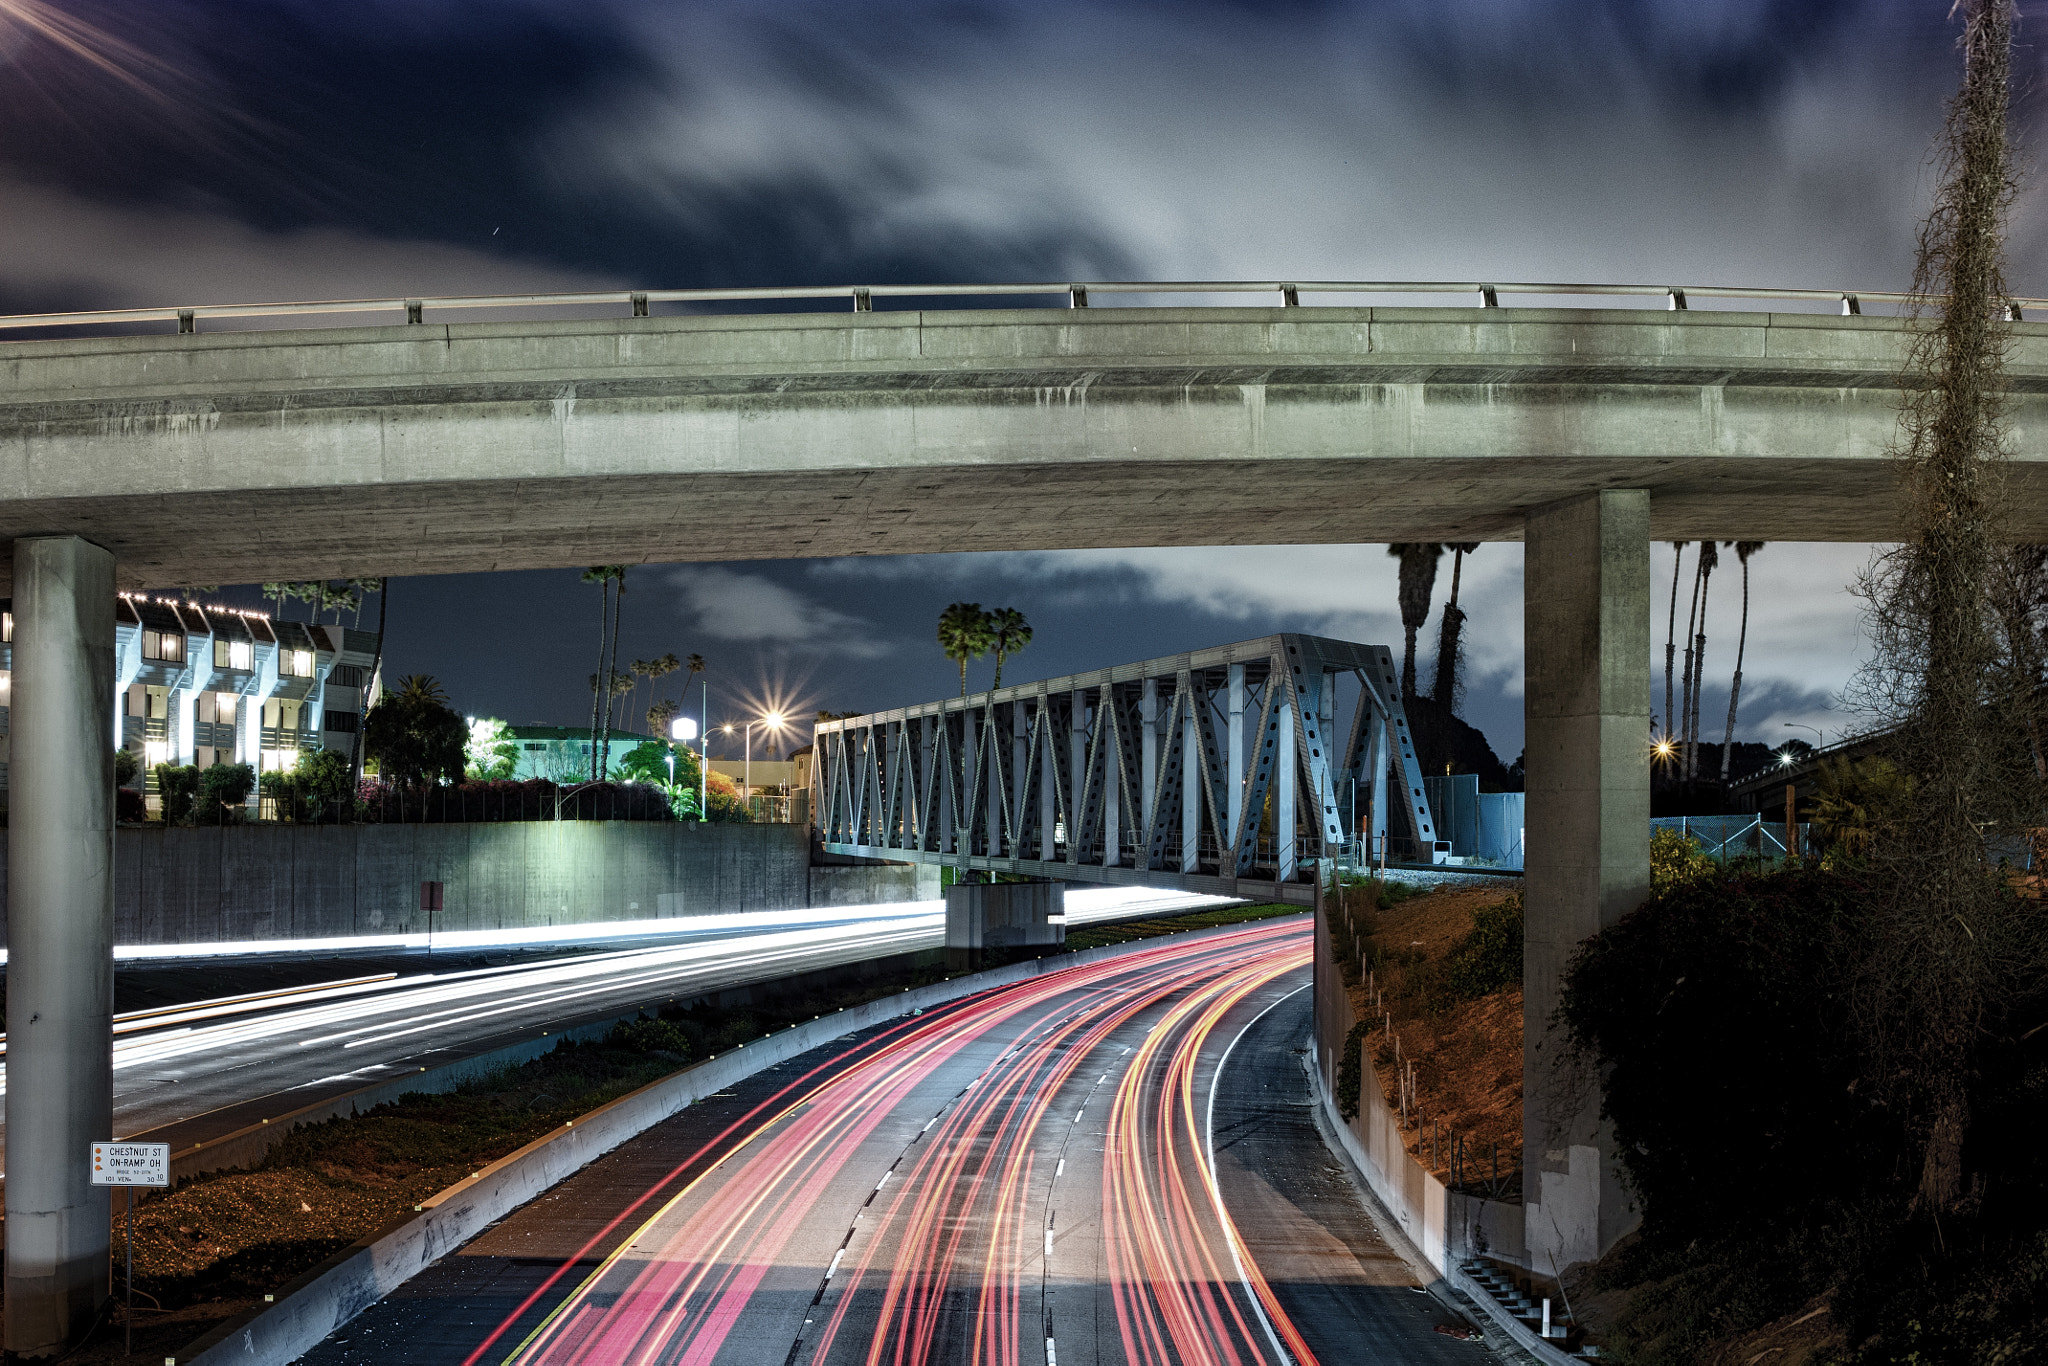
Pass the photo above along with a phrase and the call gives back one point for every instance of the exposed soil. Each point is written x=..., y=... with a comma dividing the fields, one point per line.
x=1467, y=1057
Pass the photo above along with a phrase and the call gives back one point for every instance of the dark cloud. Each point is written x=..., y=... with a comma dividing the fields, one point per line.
x=207, y=151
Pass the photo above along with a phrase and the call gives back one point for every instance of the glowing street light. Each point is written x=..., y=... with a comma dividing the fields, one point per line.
x=682, y=730
x=773, y=720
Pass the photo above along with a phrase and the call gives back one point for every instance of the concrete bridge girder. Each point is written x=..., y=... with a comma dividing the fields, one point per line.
x=219, y=457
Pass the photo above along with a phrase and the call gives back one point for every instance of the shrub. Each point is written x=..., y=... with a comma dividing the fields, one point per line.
x=176, y=785
x=222, y=791
x=644, y=1035
x=1677, y=860
x=129, y=806
x=1486, y=960
x=127, y=763
x=1351, y=1069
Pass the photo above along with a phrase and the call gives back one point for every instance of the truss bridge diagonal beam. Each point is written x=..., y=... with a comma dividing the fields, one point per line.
x=1142, y=774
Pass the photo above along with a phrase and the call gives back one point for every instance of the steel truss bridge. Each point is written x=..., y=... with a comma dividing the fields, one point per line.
x=1214, y=771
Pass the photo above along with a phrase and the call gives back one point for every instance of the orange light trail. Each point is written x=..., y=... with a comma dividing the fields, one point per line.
x=954, y=1223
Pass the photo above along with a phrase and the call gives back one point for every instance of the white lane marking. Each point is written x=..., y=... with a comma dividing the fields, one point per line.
x=1048, y=1243
x=1216, y=1191
x=1052, y=1357
x=835, y=1263
x=884, y=1181
x=1060, y=1170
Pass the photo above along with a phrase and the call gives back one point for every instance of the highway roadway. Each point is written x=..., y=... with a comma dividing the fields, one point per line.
x=195, y=1069
x=1115, y=1163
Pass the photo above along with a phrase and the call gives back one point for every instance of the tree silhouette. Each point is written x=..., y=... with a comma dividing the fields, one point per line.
x=1008, y=633
x=414, y=735
x=1671, y=638
x=1743, y=550
x=1448, y=686
x=1710, y=560
x=1418, y=580
x=964, y=634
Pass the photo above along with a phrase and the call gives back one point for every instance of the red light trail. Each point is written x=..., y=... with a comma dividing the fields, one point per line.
x=952, y=1254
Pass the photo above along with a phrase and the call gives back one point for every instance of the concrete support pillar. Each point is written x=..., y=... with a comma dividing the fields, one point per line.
x=1112, y=780
x=1586, y=628
x=1011, y=918
x=60, y=971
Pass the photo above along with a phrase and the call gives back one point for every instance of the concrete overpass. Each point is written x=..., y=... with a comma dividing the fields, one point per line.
x=451, y=447
x=444, y=446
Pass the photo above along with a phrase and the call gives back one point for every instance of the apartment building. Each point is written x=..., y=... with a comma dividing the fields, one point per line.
x=204, y=684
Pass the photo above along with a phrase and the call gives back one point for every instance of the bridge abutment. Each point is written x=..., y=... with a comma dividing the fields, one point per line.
x=1001, y=915
x=60, y=972
x=1586, y=628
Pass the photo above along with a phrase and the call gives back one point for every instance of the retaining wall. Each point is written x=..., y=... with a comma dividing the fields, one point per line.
x=1445, y=1225
x=253, y=882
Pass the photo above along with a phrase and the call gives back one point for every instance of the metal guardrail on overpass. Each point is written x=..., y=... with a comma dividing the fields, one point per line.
x=861, y=298
x=1145, y=773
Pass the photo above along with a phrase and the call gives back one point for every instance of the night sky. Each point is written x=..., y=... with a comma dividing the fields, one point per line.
x=181, y=152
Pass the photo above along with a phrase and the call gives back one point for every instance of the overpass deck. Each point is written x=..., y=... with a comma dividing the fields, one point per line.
x=460, y=446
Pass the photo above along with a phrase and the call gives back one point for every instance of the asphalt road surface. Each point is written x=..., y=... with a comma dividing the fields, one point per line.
x=1110, y=1164
x=196, y=1069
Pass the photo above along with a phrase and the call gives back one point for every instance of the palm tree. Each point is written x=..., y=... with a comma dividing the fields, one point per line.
x=612, y=673
x=1709, y=560
x=1446, y=688
x=642, y=671
x=1671, y=636
x=1685, y=680
x=601, y=575
x=1418, y=580
x=964, y=634
x=604, y=576
x=1743, y=550
x=1008, y=633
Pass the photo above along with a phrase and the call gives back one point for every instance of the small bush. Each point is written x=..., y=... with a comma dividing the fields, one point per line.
x=129, y=806
x=1351, y=1069
x=645, y=1035
x=1677, y=860
x=176, y=784
x=1486, y=960
x=223, y=789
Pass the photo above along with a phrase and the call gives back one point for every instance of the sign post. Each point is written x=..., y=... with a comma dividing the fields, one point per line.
x=131, y=1165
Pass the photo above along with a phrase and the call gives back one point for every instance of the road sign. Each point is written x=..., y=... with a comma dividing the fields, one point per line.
x=131, y=1164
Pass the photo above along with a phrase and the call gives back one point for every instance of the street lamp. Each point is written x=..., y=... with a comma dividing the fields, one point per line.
x=683, y=730
x=773, y=720
x=1794, y=725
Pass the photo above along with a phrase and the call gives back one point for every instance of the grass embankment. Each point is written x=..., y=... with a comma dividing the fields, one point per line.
x=1447, y=966
x=217, y=1244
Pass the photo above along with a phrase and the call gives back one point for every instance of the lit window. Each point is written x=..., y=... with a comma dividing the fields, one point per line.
x=297, y=664
x=168, y=646
x=224, y=708
x=232, y=654
x=6, y=626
